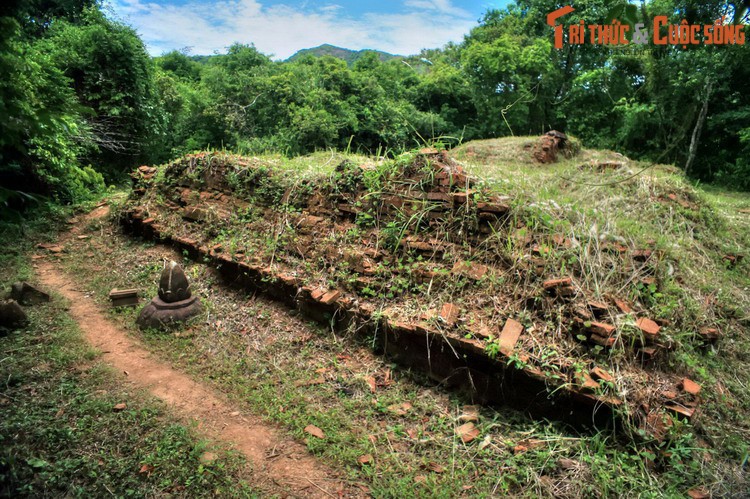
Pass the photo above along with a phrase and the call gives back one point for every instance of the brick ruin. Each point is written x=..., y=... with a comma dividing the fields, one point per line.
x=409, y=255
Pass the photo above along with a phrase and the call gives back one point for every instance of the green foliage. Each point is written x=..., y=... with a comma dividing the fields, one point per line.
x=83, y=91
x=108, y=67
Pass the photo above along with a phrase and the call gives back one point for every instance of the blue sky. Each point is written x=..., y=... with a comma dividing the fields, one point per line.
x=280, y=28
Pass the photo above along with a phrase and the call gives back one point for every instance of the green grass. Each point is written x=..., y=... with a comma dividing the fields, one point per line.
x=59, y=434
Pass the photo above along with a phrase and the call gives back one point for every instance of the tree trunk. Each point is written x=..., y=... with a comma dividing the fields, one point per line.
x=698, y=128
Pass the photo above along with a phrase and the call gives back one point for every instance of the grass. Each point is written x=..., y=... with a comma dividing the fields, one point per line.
x=59, y=434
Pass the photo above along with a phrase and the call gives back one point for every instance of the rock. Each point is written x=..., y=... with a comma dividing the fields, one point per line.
x=208, y=458
x=26, y=294
x=12, y=315
x=173, y=285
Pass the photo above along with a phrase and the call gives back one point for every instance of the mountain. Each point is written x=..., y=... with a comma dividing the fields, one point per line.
x=348, y=55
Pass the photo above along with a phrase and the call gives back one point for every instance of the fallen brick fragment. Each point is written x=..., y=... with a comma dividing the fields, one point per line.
x=623, y=306
x=602, y=375
x=469, y=413
x=399, y=409
x=553, y=285
x=689, y=386
x=699, y=493
x=608, y=342
x=710, y=334
x=450, y=313
x=680, y=410
x=649, y=328
x=602, y=329
x=647, y=353
x=588, y=383
x=470, y=269
x=314, y=431
x=330, y=297
x=599, y=308
x=467, y=432
x=462, y=197
x=509, y=336
x=497, y=208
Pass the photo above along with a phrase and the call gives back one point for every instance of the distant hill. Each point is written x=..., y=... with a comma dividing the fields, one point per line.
x=348, y=55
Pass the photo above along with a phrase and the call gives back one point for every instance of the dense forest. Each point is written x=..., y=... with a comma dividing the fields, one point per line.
x=83, y=102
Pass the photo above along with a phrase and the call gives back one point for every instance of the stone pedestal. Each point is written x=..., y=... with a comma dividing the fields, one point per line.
x=159, y=313
x=175, y=302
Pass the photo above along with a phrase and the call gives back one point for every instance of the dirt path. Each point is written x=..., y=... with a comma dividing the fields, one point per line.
x=279, y=463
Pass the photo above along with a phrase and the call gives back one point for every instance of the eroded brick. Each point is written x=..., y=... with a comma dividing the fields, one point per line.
x=449, y=313
x=509, y=336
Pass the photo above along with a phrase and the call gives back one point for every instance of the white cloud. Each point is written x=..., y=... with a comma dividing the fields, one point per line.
x=208, y=27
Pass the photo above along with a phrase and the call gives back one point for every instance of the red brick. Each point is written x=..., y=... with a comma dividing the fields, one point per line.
x=462, y=197
x=470, y=269
x=601, y=374
x=602, y=329
x=602, y=341
x=699, y=493
x=598, y=307
x=588, y=383
x=449, y=313
x=648, y=353
x=623, y=306
x=710, y=334
x=330, y=297
x=289, y=280
x=509, y=336
x=648, y=327
x=557, y=283
x=399, y=326
x=681, y=410
x=317, y=294
x=439, y=196
x=689, y=386
x=493, y=207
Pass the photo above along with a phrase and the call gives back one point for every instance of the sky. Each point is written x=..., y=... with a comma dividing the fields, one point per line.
x=280, y=28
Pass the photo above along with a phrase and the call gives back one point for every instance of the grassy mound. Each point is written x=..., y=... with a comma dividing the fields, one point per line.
x=608, y=265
